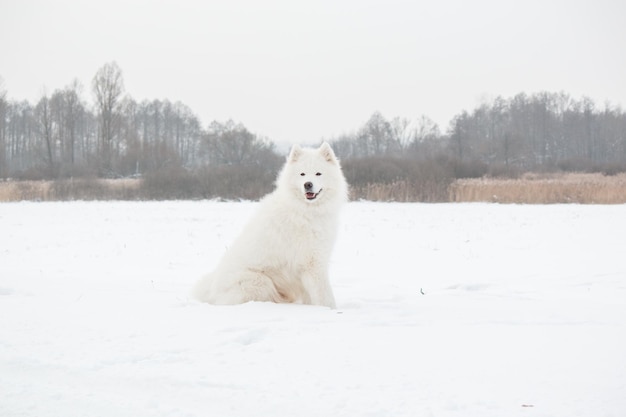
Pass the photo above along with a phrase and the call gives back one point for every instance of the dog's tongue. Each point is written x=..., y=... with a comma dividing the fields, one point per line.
x=310, y=195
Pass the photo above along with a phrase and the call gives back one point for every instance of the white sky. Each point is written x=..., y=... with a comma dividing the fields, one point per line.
x=298, y=71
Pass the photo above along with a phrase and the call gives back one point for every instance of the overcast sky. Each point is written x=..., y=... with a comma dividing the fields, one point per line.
x=298, y=71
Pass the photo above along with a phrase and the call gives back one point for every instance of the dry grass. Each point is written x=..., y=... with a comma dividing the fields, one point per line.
x=24, y=190
x=62, y=190
x=529, y=189
x=543, y=189
x=398, y=191
x=402, y=191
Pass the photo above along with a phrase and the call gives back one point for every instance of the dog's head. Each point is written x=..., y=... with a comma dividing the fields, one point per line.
x=313, y=175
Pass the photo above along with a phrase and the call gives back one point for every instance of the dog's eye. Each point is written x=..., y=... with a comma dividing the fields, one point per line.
x=302, y=174
x=318, y=174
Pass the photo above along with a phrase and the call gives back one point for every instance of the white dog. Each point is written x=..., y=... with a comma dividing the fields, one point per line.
x=283, y=253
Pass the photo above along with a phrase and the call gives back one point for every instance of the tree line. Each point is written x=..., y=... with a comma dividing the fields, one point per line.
x=114, y=136
x=64, y=136
x=545, y=132
x=542, y=131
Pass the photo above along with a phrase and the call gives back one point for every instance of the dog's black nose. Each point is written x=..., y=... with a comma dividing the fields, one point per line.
x=308, y=185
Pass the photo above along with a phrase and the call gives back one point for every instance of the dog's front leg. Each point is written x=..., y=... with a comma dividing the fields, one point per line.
x=317, y=284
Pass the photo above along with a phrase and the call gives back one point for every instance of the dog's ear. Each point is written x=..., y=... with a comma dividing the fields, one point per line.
x=327, y=153
x=295, y=153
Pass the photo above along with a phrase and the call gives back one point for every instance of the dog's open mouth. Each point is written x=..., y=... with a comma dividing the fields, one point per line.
x=311, y=195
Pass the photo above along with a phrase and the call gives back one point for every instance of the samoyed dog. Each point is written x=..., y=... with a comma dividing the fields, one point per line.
x=283, y=253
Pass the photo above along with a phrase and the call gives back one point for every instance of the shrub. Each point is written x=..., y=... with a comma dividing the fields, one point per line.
x=173, y=183
x=398, y=179
x=248, y=182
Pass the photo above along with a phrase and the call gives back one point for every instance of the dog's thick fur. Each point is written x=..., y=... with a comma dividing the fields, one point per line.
x=283, y=253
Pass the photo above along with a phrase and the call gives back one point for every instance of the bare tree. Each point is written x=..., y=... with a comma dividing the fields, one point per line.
x=44, y=124
x=232, y=144
x=377, y=136
x=426, y=139
x=73, y=110
x=108, y=87
x=187, y=136
x=3, y=128
x=402, y=131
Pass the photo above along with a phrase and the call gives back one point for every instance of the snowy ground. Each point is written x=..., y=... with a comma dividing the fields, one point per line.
x=471, y=310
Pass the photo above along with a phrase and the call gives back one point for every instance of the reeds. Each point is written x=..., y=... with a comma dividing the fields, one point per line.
x=70, y=189
x=528, y=189
x=543, y=189
x=402, y=191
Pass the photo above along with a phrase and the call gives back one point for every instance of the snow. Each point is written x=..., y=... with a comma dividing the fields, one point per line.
x=443, y=310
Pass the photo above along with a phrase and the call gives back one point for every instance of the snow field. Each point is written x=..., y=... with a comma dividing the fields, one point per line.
x=443, y=310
